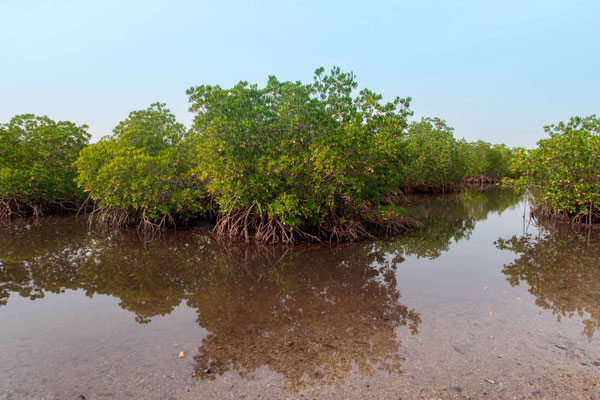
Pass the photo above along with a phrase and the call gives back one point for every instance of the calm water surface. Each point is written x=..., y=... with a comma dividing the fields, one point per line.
x=479, y=304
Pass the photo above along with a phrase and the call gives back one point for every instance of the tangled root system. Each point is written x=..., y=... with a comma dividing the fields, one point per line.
x=544, y=214
x=470, y=182
x=12, y=208
x=424, y=188
x=111, y=218
x=249, y=224
x=480, y=180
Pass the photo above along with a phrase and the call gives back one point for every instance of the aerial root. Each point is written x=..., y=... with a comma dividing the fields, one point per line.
x=589, y=216
x=111, y=218
x=480, y=180
x=10, y=208
x=471, y=182
x=247, y=225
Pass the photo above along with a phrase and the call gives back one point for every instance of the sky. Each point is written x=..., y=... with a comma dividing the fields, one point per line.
x=494, y=70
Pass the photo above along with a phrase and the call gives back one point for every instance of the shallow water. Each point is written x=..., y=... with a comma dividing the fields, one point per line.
x=479, y=304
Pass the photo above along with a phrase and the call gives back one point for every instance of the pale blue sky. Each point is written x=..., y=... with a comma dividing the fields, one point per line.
x=496, y=71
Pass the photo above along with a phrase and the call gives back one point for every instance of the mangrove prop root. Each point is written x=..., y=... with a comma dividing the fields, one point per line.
x=481, y=180
x=12, y=208
x=470, y=182
x=110, y=218
x=248, y=224
x=589, y=216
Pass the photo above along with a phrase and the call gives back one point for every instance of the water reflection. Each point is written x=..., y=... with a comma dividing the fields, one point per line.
x=32, y=257
x=448, y=219
x=309, y=313
x=562, y=268
x=310, y=316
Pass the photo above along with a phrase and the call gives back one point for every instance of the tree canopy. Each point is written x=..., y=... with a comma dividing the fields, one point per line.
x=294, y=159
x=142, y=173
x=36, y=174
x=562, y=172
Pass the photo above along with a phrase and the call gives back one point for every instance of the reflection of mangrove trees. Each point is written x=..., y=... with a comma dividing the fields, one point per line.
x=32, y=256
x=448, y=219
x=310, y=313
x=309, y=317
x=562, y=269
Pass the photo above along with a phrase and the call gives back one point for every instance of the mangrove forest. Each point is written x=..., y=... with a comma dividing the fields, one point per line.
x=287, y=162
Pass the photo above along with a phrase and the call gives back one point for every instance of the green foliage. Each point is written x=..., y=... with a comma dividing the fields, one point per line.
x=438, y=162
x=436, y=159
x=298, y=154
x=562, y=173
x=488, y=160
x=36, y=154
x=285, y=161
x=143, y=171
